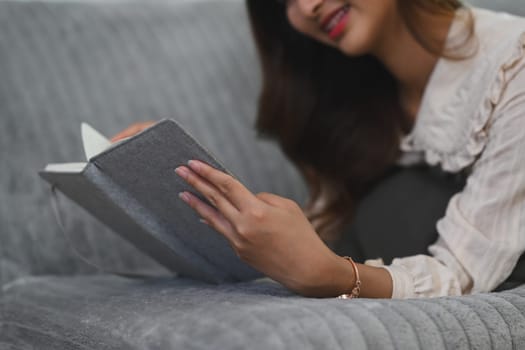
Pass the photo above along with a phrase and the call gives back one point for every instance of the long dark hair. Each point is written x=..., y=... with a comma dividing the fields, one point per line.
x=337, y=118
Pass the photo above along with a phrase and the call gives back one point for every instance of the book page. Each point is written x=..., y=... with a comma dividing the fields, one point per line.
x=65, y=167
x=94, y=142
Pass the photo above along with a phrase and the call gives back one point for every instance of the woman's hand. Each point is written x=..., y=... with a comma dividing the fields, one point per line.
x=132, y=130
x=268, y=232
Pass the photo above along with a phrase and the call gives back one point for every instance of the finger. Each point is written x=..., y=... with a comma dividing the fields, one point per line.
x=210, y=192
x=132, y=130
x=227, y=185
x=210, y=216
x=129, y=131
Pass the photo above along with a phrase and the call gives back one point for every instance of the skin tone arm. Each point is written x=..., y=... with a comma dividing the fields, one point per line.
x=264, y=231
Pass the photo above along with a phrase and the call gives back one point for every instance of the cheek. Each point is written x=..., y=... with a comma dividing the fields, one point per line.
x=306, y=27
x=358, y=39
x=298, y=22
x=365, y=28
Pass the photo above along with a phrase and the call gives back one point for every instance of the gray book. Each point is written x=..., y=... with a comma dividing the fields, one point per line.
x=132, y=188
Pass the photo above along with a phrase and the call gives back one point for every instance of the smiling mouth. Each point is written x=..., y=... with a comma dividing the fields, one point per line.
x=335, y=23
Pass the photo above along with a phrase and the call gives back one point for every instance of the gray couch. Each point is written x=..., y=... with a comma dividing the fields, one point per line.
x=112, y=63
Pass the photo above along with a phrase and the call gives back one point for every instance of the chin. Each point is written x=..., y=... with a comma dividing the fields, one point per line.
x=353, y=48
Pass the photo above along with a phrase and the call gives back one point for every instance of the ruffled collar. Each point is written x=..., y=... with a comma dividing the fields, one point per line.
x=461, y=96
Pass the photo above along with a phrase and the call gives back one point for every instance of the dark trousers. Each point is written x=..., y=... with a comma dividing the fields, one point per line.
x=397, y=218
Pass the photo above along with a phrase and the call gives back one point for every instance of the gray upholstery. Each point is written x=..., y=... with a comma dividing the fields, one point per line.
x=110, y=64
x=114, y=62
x=100, y=312
x=511, y=6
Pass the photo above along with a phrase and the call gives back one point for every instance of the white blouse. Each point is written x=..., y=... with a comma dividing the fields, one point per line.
x=472, y=118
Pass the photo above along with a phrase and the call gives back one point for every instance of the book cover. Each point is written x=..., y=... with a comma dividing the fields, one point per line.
x=132, y=188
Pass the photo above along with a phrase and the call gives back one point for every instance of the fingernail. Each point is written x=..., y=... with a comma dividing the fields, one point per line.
x=184, y=196
x=182, y=171
x=194, y=164
x=202, y=221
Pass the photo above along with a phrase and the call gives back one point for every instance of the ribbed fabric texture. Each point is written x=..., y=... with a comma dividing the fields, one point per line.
x=511, y=6
x=114, y=313
x=110, y=64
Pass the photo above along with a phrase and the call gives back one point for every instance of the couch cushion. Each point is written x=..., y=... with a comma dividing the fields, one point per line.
x=107, y=312
x=512, y=6
x=110, y=64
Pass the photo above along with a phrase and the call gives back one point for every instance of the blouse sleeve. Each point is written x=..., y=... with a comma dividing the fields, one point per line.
x=482, y=234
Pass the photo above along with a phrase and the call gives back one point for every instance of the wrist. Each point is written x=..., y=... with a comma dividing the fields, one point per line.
x=336, y=278
x=356, y=290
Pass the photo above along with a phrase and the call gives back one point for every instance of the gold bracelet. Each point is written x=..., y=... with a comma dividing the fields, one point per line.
x=357, y=288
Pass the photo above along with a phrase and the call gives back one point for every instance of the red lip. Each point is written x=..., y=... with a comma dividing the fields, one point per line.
x=328, y=18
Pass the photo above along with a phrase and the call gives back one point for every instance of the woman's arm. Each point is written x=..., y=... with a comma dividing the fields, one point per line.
x=375, y=282
x=272, y=234
x=481, y=236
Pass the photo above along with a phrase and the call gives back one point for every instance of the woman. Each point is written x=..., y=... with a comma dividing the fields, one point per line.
x=352, y=87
